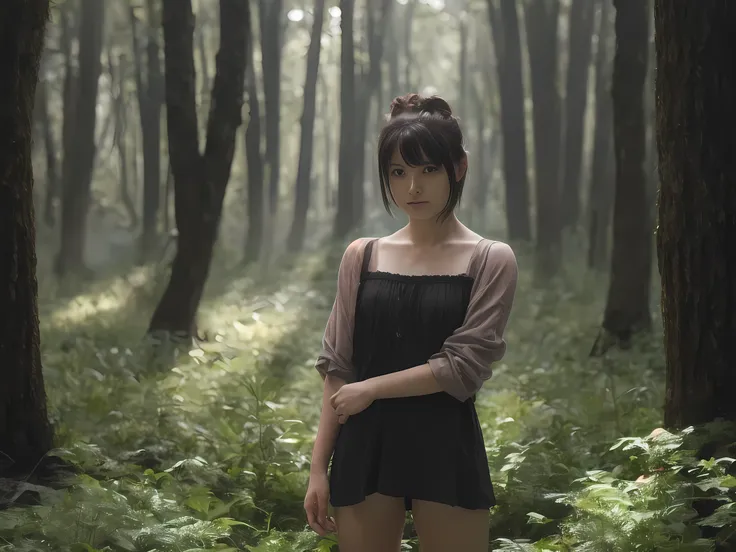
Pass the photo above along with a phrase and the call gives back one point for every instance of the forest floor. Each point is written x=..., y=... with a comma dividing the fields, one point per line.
x=206, y=447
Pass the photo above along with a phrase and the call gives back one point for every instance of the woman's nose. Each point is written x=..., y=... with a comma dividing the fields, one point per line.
x=414, y=186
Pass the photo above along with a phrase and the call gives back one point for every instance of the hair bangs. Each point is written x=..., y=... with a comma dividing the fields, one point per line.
x=421, y=140
x=417, y=145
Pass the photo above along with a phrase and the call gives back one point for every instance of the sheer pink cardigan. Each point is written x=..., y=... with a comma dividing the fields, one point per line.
x=464, y=361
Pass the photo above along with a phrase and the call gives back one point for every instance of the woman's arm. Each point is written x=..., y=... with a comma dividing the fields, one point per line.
x=405, y=383
x=324, y=443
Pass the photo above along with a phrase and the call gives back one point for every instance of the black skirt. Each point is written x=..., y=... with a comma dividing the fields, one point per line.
x=429, y=447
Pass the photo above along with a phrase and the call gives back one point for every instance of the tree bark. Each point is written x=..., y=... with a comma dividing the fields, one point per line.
x=627, y=305
x=346, y=164
x=120, y=100
x=52, y=165
x=696, y=237
x=256, y=192
x=77, y=185
x=149, y=87
x=303, y=184
x=200, y=180
x=270, y=13
x=505, y=28
x=582, y=17
x=25, y=432
x=603, y=171
x=542, y=18
x=377, y=17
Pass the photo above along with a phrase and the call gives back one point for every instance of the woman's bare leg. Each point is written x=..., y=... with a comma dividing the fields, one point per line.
x=443, y=528
x=374, y=525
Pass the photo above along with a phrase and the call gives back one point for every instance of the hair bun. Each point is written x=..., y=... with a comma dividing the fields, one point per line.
x=414, y=103
x=436, y=105
x=405, y=104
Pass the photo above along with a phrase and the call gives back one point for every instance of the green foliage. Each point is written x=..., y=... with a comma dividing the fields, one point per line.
x=206, y=447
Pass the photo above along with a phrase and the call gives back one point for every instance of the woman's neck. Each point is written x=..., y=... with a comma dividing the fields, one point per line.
x=427, y=233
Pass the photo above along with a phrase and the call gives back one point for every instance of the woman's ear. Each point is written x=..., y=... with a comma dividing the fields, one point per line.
x=462, y=168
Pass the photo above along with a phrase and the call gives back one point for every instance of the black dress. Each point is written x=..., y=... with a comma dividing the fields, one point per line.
x=428, y=447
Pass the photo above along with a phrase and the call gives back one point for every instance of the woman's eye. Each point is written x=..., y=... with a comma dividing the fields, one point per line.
x=430, y=168
x=397, y=172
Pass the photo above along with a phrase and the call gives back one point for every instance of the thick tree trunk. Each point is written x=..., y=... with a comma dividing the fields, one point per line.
x=507, y=41
x=696, y=237
x=303, y=185
x=256, y=192
x=346, y=163
x=541, y=24
x=25, y=433
x=77, y=183
x=270, y=13
x=200, y=180
x=582, y=17
x=627, y=305
x=603, y=170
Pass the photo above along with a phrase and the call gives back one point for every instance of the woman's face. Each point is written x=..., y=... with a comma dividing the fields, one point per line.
x=422, y=191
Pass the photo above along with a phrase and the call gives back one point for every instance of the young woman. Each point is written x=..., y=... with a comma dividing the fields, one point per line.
x=417, y=322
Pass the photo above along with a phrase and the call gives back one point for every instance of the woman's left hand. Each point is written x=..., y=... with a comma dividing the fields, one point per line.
x=352, y=398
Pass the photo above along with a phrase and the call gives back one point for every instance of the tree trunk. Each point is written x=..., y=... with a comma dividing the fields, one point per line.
x=303, y=184
x=696, y=237
x=69, y=94
x=603, y=170
x=541, y=23
x=77, y=183
x=505, y=28
x=270, y=13
x=407, y=34
x=394, y=77
x=200, y=180
x=368, y=85
x=117, y=80
x=346, y=163
x=627, y=305
x=25, y=432
x=150, y=99
x=479, y=205
x=52, y=166
x=328, y=188
x=582, y=16
x=256, y=192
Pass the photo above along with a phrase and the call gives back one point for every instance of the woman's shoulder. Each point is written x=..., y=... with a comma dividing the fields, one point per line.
x=353, y=255
x=494, y=257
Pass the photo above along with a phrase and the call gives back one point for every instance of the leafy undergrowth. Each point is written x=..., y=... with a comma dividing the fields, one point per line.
x=206, y=447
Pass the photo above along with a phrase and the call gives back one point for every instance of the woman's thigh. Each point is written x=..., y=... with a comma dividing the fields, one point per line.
x=443, y=528
x=376, y=524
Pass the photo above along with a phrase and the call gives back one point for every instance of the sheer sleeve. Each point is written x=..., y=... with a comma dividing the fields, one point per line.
x=337, y=342
x=464, y=361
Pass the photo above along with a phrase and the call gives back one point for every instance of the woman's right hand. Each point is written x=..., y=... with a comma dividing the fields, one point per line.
x=316, y=502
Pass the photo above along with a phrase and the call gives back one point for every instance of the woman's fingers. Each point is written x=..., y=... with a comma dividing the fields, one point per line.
x=322, y=509
x=313, y=518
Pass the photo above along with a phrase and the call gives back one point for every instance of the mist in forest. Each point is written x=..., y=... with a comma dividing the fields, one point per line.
x=179, y=180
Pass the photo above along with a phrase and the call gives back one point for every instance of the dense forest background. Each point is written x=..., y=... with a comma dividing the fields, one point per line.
x=200, y=166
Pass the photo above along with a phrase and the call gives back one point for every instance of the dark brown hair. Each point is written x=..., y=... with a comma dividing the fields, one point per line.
x=425, y=132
